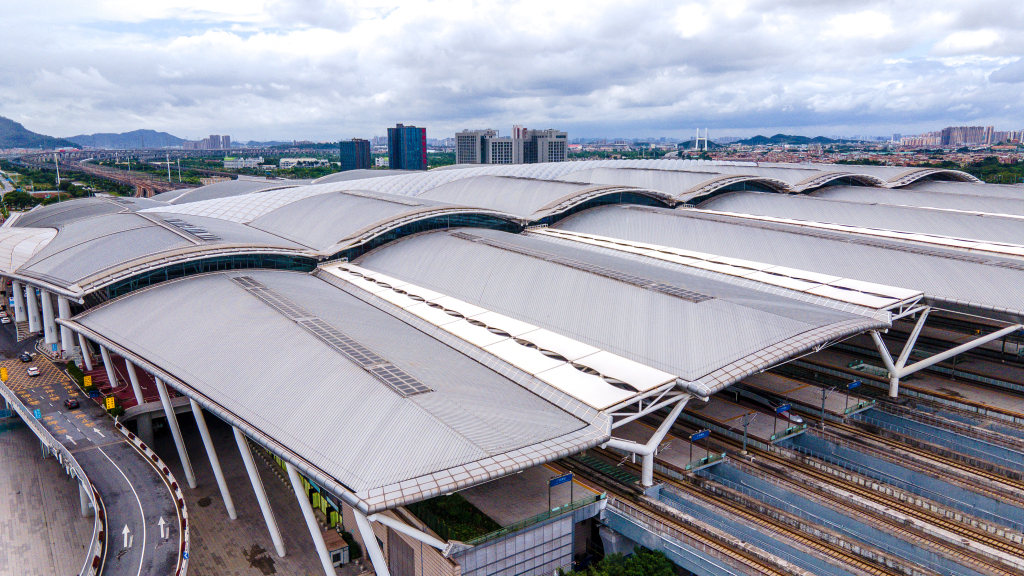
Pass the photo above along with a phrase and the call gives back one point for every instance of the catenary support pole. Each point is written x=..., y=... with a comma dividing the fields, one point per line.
x=172, y=422
x=18, y=291
x=380, y=566
x=197, y=411
x=35, y=322
x=86, y=351
x=261, y=494
x=67, y=337
x=307, y=513
x=49, y=322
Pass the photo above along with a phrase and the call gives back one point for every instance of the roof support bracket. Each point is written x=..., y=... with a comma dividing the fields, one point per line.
x=648, y=450
x=446, y=548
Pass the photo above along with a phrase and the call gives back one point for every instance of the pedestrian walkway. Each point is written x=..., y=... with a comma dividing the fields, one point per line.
x=42, y=531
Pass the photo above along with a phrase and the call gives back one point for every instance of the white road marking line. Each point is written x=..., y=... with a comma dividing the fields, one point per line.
x=141, y=511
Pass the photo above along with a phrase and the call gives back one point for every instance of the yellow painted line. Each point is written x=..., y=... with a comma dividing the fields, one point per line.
x=574, y=480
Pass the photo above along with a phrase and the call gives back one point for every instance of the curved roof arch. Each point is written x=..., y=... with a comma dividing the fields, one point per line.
x=939, y=174
x=831, y=178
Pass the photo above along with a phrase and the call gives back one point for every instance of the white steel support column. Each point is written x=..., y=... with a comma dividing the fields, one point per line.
x=86, y=352
x=211, y=453
x=18, y=291
x=380, y=566
x=261, y=494
x=896, y=372
x=648, y=450
x=67, y=337
x=134, y=377
x=108, y=365
x=34, y=320
x=49, y=323
x=307, y=513
x=172, y=422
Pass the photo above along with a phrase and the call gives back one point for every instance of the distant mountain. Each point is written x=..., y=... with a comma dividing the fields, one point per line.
x=785, y=139
x=133, y=140
x=14, y=135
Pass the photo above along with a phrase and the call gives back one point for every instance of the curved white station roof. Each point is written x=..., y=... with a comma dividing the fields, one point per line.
x=456, y=337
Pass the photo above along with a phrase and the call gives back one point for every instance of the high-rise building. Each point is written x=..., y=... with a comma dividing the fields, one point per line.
x=967, y=136
x=523, y=147
x=407, y=147
x=471, y=146
x=225, y=142
x=355, y=154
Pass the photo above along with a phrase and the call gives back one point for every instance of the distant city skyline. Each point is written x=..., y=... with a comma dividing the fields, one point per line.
x=282, y=69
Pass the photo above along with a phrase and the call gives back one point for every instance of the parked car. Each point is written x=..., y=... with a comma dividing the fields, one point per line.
x=33, y=371
x=25, y=357
x=5, y=320
x=71, y=403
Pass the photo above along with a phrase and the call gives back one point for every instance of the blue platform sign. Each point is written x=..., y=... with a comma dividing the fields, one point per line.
x=700, y=435
x=560, y=480
x=783, y=408
x=37, y=413
x=854, y=384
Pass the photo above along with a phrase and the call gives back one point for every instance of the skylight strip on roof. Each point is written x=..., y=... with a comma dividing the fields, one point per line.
x=640, y=282
x=599, y=378
x=969, y=244
x=867, y=294
x=394, y=377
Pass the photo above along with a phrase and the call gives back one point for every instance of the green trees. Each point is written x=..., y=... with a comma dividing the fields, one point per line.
x=642, y=562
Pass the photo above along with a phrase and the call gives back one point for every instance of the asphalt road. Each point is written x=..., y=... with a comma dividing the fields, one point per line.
x=133, y=492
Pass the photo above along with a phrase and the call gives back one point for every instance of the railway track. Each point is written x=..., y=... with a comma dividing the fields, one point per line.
x=988, y=545
x=636, y=507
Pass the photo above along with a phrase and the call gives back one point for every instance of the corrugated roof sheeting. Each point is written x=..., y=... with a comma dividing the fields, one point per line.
x=89, y=230
x=971, y=189
x=906, y=219
x=321, y=221
x=673, y=182
x=914, y=196
x=88, y=258
x=18, y=245
x=233, y=233
x=519, y=196
x=661, y=331
x=226, y=190
x=943, y=279
x=315, y=401
x=62, y=213
x=360, y=175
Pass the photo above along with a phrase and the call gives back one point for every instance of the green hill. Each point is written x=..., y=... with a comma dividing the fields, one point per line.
x=14, y=135
x=135, y=139
x=780, y=139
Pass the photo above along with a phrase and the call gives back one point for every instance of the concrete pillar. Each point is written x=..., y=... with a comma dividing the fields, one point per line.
x=144, y=424
x=67, y=338
x=86, y=352
x=197, y=411
x=172, y=423
x=49, y=323
x=108, y=365
x=261, y=494
x=35, y=321
x=18, y=291
x=307, y=513
x=83, y=501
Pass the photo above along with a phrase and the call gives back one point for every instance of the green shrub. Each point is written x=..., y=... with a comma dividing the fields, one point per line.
x=76, y=373
x=354, y=551
x=642, y=562
x=116, y=411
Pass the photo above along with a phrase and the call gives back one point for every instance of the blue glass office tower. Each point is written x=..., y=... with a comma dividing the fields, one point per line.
x=407, y=148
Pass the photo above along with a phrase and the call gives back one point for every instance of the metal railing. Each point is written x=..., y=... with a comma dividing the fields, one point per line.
x=553, y=513
x=94, y=556
x=176, y=493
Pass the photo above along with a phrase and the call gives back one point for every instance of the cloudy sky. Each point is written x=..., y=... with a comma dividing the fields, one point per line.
x=330, y=69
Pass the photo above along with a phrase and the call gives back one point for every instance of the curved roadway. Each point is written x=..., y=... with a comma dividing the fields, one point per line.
x=134, y=494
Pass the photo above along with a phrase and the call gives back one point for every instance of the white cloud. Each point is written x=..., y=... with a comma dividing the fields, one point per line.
x=324, y=69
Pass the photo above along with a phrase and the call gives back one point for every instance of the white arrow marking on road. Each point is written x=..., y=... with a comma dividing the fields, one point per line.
x=126, y=532
x=96, y=430
x=70, y=440
x=161, y=523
